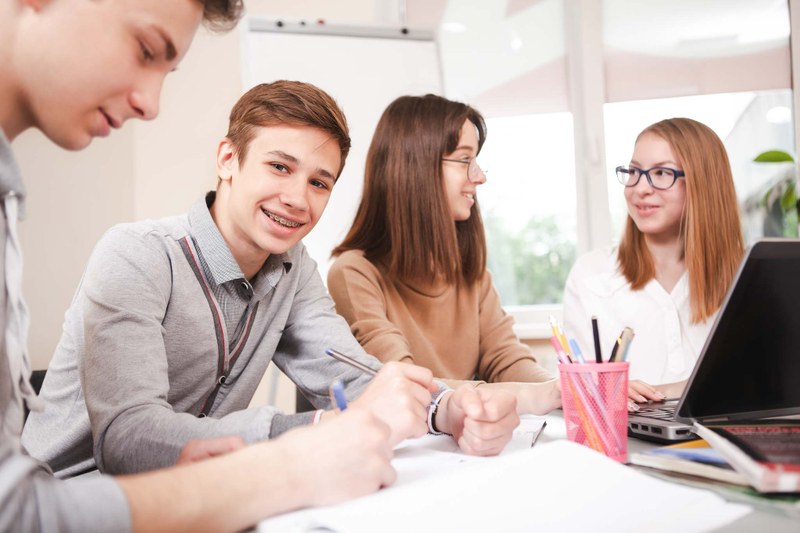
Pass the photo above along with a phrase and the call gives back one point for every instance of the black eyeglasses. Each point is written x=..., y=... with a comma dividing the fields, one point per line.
x=661, y=178
x=474, y=171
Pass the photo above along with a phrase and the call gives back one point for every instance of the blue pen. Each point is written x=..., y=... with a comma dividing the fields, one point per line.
x=576, y=350
x=337, y=395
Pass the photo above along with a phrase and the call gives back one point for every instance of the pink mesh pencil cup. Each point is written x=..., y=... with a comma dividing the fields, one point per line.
x=595, y=403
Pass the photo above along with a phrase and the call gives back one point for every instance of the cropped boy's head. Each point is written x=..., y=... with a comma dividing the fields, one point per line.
x=221, y=15
x=79, y=68
x=287, y=103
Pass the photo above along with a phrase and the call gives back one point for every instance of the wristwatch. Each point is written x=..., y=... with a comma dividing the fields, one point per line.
x=432, y=409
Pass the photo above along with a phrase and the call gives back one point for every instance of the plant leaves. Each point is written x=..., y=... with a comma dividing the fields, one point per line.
x=774, y=156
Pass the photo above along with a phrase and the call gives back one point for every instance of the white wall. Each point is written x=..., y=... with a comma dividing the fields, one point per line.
x=144, y=170
x=73, y=197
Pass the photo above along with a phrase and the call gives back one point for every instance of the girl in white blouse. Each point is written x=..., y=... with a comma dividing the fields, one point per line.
x=679, y=253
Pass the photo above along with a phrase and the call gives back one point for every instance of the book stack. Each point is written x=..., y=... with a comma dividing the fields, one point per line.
x=693, y=458
x=766, y=453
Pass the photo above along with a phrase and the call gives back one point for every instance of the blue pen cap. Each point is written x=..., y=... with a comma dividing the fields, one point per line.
x=337, y=395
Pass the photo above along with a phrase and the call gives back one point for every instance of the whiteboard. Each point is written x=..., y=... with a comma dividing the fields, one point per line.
x=364, y=75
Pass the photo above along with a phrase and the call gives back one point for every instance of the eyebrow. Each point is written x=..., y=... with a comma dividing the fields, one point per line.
x=292, y=159
x=659, y=164
x=471, y=149
x=170, y=51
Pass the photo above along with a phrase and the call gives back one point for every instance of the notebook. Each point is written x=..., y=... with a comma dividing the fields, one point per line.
x=749, y=368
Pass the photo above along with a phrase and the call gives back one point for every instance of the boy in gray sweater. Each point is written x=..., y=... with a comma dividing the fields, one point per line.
x=176, y=320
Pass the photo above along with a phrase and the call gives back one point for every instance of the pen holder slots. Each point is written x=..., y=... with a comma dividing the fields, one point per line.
x=594, y=398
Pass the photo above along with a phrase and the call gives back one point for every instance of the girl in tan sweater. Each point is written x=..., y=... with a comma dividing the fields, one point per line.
x=410, y=276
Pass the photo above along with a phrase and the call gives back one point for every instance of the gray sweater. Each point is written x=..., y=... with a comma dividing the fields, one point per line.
x=31, y=499
x=164, y=329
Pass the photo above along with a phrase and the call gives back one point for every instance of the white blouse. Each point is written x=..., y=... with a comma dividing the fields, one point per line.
x=666, y=344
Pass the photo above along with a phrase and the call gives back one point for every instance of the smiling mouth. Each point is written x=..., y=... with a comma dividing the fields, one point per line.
x=282, y=221
x=111, y=122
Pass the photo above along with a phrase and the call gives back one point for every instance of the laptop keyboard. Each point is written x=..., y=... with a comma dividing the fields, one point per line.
x=662, y=412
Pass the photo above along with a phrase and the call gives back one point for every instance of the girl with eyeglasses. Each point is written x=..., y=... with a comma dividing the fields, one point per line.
x=410, y=276
x=679, y=253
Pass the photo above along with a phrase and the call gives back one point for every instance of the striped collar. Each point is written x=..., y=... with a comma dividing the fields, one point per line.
x=219, y=259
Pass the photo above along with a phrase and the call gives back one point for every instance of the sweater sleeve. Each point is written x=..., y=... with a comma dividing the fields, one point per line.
x=124, y=370
x=357, y=288
x=31, y=499
x=502, y=356
x=311, y=328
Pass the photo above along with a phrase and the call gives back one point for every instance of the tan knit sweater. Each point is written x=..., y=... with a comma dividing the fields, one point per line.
x=458, y=332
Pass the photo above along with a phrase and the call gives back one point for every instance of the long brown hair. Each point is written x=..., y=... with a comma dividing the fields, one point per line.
x=403, y=222
x=711, y=232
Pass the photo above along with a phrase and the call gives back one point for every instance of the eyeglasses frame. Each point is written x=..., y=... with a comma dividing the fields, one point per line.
x=469, y=163
x=677, y=174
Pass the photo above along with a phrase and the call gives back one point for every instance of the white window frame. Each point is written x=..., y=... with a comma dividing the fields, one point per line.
x=586, y=81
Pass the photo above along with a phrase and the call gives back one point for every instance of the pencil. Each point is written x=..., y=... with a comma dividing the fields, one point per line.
x=350, y=361
x=613, y=358
x=576, y=350
x=598, y=354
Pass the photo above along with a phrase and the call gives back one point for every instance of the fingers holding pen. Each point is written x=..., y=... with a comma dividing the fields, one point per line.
x=399, y=395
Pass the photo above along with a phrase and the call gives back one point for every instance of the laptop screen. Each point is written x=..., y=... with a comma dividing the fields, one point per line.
x=750, y=365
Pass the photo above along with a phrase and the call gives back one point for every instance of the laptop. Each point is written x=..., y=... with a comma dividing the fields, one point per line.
x=749, y=368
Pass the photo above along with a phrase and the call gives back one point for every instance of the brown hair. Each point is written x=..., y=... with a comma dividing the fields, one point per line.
x=222, y=15
x=286, y=103
x=710, y=229
x=403, y=221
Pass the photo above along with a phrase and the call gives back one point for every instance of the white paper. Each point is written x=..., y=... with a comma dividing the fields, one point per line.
x=555, y=486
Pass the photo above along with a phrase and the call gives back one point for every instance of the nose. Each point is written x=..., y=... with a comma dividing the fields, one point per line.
x=294, y=193
x=476, y=174
x=643, y=186
x=481, y=178
x=144, y=98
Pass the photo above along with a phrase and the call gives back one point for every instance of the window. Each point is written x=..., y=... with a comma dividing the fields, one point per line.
x=566, y=85
x=529, y=212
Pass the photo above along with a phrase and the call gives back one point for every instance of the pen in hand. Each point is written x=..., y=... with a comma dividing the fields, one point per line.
x=350, y=361
x=337, y=395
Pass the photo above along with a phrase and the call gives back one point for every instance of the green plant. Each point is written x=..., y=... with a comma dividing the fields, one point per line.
x=780, y=200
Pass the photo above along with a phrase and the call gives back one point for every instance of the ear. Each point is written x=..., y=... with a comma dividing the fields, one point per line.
x=227, y=162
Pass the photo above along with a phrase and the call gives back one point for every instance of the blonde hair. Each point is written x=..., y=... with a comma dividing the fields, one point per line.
x=710, y=228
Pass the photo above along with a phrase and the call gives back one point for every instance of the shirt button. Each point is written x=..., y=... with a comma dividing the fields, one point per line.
x=247, y=288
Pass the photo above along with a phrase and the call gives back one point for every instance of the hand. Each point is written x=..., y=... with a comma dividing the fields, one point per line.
x=338, y=459
x=640, y=392
x=481, y=420
x=399, y=395
x=197, y=450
